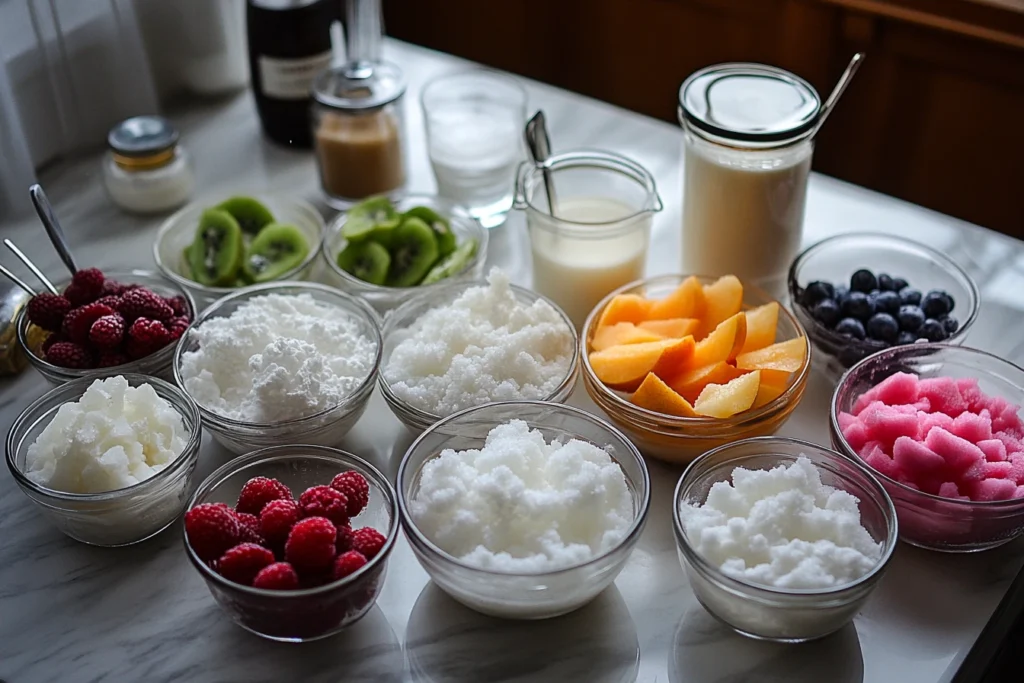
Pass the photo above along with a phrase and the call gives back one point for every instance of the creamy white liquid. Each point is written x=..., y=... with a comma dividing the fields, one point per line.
x=743, y=211
x=576, y=272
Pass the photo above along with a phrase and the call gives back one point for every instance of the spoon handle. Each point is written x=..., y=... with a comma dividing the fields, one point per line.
x=540, y=147
x=837, y=92
x=52, y=225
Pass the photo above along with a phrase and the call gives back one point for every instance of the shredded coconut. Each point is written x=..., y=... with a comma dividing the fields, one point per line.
x=520, y=504
x=277, y=357
x=485, y=346
x=782, y=527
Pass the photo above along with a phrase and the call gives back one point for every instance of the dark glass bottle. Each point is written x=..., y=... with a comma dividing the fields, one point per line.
x=289, y=43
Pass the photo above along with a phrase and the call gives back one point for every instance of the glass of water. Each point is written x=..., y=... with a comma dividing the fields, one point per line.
x=474, y=121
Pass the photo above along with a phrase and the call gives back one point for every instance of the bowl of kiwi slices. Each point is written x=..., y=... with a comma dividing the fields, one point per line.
x=389, y=251
x=214, y=248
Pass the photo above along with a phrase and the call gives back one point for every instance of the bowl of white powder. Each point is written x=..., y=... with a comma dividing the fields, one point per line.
x=280, y=364
x=472, y=343
x=523, y=509
x=109, y=461
x=781, y=539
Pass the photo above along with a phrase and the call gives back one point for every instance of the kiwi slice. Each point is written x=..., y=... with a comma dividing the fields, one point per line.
x=186, y=262
x=452, y=264
x=367, y=260
x=413, y=252
x=373, y=218
x=275, y=250
x=439, y=224
x=251, y=215
x=215, y=256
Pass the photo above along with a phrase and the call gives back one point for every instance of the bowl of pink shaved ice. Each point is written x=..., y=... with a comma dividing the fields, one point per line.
x=940, y=426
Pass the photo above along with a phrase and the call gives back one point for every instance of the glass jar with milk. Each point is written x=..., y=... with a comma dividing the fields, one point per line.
x=748, y=151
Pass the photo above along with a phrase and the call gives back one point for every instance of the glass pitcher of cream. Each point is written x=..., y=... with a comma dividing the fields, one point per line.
x=748, y=151
x=596, y=238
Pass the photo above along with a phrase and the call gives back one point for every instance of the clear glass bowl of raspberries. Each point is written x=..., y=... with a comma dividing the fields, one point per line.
x=122, y=516
x=106, y=324
x=514, y=594
x=940, y=427
x=293, y=541
x=857, y=294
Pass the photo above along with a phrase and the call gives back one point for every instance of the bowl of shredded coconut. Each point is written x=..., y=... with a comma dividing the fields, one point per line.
x=781, y=539
x=280, y=364
x=523, y=509
x=472, y=343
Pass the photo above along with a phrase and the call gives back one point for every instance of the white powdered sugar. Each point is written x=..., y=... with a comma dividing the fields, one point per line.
x=277, y=357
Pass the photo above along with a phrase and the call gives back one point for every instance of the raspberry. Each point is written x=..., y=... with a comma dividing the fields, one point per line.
x=310, y=545
x=323, y=501
x=48, y=310
x=79, y=321
x=69, y=355
x=142, y=303
x=115, y=288
x=211, y=529
x=86, y=286
x=242, y=563
x=355, y=488
x=51, y=340
x=109, y=300
x=343, y=541
x=177, y=326
x=259, y=491
x=178, y=305
x=146, y=336
x=348, y=563
x=110, y=359
x=368, y=541
x=252, y=531
x=107, y=332
x=277, y=519
x=279, y=576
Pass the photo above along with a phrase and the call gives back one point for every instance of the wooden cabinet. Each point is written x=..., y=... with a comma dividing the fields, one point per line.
x=936, y=115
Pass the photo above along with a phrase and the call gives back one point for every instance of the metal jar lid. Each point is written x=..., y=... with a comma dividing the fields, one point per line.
x=748, y=103
x=359, y=86
x=142, y=136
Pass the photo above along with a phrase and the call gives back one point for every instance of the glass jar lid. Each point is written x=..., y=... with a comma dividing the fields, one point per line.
x=751, y=103
x=142, y=136
x=359, y=85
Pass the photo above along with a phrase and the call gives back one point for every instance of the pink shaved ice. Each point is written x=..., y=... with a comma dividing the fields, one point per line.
x=959, y=453
x=1016, y=468
x=1012, y=443
x=928, y=420
x=856, y=435
x=993, y=489
x=881, y=462
x=916, y=459
x=886, y=423
x=949, y=490
x=845, y=420
x=922, y=405
x=897, y=389
x=997, y=470
x=944, y=395
x=971, y=427
x=993, y=449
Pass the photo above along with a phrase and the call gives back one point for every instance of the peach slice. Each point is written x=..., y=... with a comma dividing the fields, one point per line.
x=722, y=344
x=654, y=394
x=766, y=393
x=622, y=333
x=690, y=383
x=761, y=324
x=625, y=366
x=723, y=299
x=674, y=358
x=687, y=301
x=775, y=378
x=625, y=308
x=726, y=400
x=673, y=328
x=787, y=356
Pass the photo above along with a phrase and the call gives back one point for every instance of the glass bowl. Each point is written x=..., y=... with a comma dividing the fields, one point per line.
x=522, y=595
x=177, y=232
x=766, y=612
x=835, y=259
x=112, y=518
x=158, y=364
x=397, y=322
x=681, y=439
x=384, y=298
x=928, y=521
x=325, y=428
x=309, y=613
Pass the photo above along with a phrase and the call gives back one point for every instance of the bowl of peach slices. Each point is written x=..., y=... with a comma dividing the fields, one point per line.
x=684, y=364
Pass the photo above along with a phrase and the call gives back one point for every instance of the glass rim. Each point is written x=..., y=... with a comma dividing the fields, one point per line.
x=505, y=80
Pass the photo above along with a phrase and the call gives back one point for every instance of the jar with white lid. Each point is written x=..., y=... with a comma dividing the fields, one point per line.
x=748, y=152
x=146, y=171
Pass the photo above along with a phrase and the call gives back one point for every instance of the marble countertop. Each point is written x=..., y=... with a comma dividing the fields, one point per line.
x=70, y=612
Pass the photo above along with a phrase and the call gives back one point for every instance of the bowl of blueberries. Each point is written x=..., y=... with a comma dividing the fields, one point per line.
x=861, y=293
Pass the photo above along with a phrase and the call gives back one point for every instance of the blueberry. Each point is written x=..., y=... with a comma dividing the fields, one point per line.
x=905, y=337
x=850, y=327
x=885, y=282
x=826, y=312
x=887, y=302
x=950, y=324
x=851, y=355
x=816, y=291
x=932, y=330
x=863, y=281
x=910, y=296
x=910, y=318
x=899, y=284
x=935, y=304
x=949, y=299
x=857, y=305
x=883, y=327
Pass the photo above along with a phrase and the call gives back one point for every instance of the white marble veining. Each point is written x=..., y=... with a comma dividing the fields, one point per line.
x=72, y=613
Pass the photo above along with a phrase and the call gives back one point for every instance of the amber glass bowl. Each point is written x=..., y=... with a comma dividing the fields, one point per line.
x=681, y=439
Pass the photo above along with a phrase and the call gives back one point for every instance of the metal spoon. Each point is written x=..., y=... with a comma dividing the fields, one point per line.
x=838, y=91
x=17, y=280
x=52, y=225
x=31, y=266
x=539, y=144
